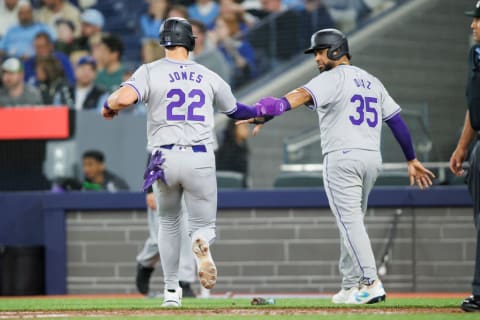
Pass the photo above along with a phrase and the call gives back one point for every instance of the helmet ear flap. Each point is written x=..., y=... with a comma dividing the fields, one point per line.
x=334, y=53
x=338, y=50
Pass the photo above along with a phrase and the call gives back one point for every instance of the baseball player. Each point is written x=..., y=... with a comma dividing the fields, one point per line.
x=179, y=95
x=351, y=104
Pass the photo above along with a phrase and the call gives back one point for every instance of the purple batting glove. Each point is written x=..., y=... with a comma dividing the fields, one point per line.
x=271, y=106
x=154, y=170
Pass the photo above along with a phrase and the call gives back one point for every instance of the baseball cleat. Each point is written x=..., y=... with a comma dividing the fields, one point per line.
x=471, y=304
x=142, y=279
x=207, y=272
x=172, y=299
x=368, y=294
x=343, y=295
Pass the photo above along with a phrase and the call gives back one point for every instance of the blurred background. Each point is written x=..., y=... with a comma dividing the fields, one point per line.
x=60, y=54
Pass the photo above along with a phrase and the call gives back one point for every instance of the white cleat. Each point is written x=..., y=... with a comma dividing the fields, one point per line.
x=172, y=299
x=368, y=294
x=343, y=295
x=207, y=272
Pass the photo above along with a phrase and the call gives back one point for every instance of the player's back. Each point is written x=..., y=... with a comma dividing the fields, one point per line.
x=351, y=104
x=180, y=100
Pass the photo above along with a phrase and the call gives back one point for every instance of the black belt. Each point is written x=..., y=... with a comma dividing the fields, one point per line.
x=195, y=148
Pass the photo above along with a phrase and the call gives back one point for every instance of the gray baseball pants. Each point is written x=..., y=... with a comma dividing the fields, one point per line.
x=349, y=176
x=191, y=175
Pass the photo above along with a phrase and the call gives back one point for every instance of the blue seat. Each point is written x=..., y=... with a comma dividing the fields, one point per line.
x=298, y=180
x=230, y=180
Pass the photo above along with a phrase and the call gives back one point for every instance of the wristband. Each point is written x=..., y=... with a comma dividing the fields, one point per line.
x=106, y=107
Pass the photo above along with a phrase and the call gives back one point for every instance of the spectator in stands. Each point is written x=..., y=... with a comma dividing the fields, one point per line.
x=347, y=13
x=233, y=152
x=268, y=7
x=51, y=81
x=53, y=10
x=8, y=15
x=208, y=54
x=238, y=53
x=205, y=11
x=178, y=11
x=110, y=55
x=65, y=37
x=44, y=47
x=92, y=22
x=15, y=92
x=151, y=21
x=18, y=40
x=84, y=4
x=97, y=177
x=85, y=94
x=152, y=50
x=231, y=10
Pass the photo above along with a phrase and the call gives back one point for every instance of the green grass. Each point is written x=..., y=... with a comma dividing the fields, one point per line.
x=37, y=304
x=152, y=307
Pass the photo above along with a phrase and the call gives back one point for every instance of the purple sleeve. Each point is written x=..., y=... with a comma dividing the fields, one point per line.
x=401, y=133
x=243, y=112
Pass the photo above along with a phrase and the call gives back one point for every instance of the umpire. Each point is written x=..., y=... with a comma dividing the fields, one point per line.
x=471, y=129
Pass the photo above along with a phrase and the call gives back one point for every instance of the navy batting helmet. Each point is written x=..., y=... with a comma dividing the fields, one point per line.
x=177, y=32
x=333, y=40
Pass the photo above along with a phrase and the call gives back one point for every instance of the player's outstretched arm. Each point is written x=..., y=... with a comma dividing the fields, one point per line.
x=416, y=171
x=118, y=100
x=460, y=153
x=269, y=107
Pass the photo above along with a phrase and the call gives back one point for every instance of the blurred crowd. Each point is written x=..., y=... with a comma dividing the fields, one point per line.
x=73, y=52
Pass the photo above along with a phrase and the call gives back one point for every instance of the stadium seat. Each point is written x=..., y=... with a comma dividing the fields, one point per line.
x=298, y=179
x=392, y=178
x=230, y=180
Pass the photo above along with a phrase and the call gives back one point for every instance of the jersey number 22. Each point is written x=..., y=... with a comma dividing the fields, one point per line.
x=196, y=98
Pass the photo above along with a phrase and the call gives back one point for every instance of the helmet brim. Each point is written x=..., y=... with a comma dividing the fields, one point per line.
x=317, y=47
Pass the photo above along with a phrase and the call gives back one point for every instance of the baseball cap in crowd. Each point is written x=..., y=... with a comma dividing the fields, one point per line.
x=87, y=60
x=93, y=17
x=12, y=65
x=475, y=12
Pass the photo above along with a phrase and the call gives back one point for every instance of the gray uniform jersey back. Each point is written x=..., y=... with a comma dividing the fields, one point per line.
x=179, y=97
x=351, y=104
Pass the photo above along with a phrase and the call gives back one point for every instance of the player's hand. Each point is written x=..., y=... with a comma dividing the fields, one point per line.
x=150, y=200
x=109, y=114
x=419, y=174
x=456, y=160
x=259, y=121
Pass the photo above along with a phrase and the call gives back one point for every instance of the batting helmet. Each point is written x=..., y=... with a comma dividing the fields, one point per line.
x=177, y=32
x=333, y=40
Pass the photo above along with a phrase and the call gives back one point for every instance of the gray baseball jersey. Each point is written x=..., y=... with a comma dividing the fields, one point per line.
x=179, y=97
x=351, y=104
